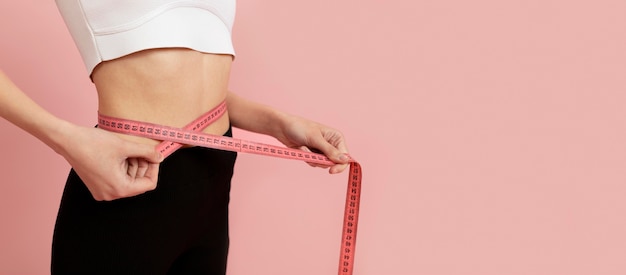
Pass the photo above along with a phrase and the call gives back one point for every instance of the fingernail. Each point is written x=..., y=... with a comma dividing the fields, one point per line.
x=344, y=157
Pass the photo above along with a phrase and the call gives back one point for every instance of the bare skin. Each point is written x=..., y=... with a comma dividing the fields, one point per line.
x=173, y=86
x=165, y=86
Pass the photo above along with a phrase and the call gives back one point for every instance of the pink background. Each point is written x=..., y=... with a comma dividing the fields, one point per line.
x=492, y=135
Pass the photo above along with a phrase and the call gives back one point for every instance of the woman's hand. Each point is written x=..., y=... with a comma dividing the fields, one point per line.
x=296, y=132
x=293, y=131
x=110, y=166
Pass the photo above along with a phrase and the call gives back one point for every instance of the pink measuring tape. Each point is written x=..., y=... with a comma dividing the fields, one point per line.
x=173, y=138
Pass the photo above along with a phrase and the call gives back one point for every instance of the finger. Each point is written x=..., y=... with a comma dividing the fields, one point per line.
x=338, y=168
x=132, y=166
x=342, y=147
x=144, y=151
x=335, y=153
x=152, y=174
x=142, y=167
x=340, y=143
x=149, y=180
x=144, y=184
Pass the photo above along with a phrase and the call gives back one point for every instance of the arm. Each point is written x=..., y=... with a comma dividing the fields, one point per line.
x=293, y=131
x=20, y=110
x=126, y=169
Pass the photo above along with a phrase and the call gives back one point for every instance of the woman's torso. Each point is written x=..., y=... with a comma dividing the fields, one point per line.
x=159, y=61
x=169, y=86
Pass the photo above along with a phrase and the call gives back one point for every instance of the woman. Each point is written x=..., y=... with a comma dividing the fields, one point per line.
x=125, y=209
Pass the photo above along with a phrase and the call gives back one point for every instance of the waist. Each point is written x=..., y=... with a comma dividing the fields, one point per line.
x=164, y=86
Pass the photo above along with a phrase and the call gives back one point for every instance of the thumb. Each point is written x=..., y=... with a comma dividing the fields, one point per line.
x=147, y=152
x=146, y=182
x=336, y=154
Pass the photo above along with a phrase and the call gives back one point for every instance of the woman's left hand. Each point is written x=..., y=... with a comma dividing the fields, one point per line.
x=308, y=135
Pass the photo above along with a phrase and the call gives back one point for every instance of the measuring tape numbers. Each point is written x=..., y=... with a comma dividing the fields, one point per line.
x=173, y=138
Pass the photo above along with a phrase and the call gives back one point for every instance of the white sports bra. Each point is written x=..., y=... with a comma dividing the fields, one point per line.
x=108, y=29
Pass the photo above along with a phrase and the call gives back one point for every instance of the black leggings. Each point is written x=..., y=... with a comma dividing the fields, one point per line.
x=179, y=228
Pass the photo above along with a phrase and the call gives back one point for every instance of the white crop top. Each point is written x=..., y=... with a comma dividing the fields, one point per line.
x=108, y=29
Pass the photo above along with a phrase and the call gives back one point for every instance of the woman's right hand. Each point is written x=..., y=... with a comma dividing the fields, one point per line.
x=110, y=167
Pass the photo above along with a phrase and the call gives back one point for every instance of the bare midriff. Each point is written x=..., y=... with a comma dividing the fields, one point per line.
x=171, y=86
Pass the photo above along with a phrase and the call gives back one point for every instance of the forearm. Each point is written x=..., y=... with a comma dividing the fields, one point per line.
x=292, y=131
x=254, y=117
x=19, y=109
